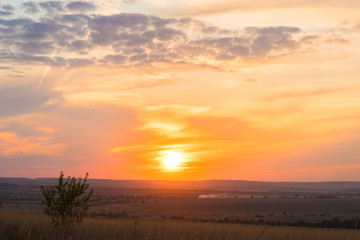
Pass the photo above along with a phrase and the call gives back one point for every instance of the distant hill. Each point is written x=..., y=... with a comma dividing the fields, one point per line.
x=219, y=185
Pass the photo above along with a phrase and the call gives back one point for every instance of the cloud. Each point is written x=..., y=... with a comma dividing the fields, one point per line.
x=43, y=140
x=80, y=46
x=251, y=80
x=135, y=39
x=80, y=6
x=35, y=134
x=270, y=39
x=8, y=7
x=52, y=7
x=303, y=93
x=206, y=8
x=115, y=59
x=27, y=99
x=31, y=7
x=337, y=41
x=5, y=13
x=31, y=59
x=207, y=137
x=79, y=62
x=23, y=129
x=130, y=1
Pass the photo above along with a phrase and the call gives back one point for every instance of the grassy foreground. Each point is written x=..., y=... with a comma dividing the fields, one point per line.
x=31, y=227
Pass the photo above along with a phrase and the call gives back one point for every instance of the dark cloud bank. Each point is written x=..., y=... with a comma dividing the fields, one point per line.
x=134, y=39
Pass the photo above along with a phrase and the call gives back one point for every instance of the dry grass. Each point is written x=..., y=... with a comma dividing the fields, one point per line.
x=31, y=227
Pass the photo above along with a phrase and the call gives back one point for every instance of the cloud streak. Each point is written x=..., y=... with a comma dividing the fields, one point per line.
x=80, y=6
x=303, y=94
x=27, y=99
x=206, y=8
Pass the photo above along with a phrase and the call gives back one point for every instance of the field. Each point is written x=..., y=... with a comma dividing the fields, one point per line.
x=36, y=227
x=214, y=211
x=185, y=204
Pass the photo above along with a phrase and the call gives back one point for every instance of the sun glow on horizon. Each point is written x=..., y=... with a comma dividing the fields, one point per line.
x=171, y=160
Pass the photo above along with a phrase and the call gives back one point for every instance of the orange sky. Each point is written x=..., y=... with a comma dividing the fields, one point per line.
x=150, y=89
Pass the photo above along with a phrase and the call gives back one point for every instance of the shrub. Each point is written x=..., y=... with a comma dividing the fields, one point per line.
x=67, y=202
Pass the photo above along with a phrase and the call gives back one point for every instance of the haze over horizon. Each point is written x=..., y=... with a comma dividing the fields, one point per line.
x=178, y=90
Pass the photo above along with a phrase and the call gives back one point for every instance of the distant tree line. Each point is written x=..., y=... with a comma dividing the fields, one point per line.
x=333, y=223
x=110, y=215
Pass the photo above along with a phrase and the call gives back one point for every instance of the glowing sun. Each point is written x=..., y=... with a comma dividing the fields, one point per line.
x=171, y=160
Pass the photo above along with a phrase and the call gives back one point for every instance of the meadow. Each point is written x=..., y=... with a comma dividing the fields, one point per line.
x=137, y=213
x=38, y=227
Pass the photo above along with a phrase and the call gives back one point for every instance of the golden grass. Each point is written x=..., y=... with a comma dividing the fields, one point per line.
x=31, y=227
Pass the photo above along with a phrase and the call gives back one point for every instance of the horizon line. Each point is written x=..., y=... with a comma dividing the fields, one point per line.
x=201, y=180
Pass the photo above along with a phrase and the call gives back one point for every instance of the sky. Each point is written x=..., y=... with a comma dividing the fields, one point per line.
x=180, y=90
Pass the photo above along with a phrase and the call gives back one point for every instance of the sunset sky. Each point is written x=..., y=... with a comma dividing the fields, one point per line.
x=181, y=90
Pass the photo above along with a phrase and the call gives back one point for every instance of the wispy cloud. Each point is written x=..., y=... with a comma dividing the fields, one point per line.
x=27, y=99
x=296, y=94
x=130, y=1
x=80, y=6
x=205, y=8
x=31, y=7
x=5, y=13
x=52, y=7
x=8, y=7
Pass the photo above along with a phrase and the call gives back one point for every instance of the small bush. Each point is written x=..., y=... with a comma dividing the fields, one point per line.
x=67, y=202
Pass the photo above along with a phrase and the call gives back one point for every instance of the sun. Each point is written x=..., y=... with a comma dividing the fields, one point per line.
x=171, y=160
